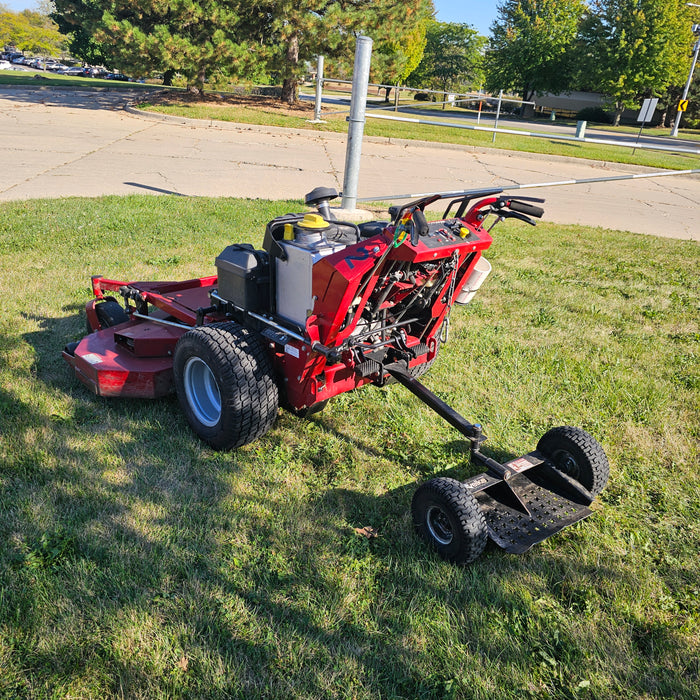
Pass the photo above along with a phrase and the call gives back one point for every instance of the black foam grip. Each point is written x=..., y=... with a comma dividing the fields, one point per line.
x=420, y=222
x=525, y=208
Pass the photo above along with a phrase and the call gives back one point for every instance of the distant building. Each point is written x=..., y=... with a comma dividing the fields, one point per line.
x=570, y=104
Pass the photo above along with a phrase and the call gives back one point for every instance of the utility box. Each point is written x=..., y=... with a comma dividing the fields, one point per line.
x=244, y=277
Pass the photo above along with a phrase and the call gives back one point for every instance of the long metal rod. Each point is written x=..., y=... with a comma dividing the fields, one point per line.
x=536, y=134
x=155, y=319
x=319, y=89
x=489, y=190
x=473, y=95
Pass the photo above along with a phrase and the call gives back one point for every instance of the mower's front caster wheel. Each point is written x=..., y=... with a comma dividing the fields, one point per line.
x=447, y=516
x=109, y=313
x=225, y=384
x=578, y=455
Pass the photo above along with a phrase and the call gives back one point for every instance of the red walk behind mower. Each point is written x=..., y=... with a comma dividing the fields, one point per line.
x=326, y=307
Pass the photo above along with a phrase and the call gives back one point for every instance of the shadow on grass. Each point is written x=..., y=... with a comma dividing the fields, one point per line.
x=57, y=93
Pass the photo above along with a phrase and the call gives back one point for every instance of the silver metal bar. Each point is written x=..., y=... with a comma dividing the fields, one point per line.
x=319, y=89
x=155, y=319
x=485, y=190
x=406, y=88
x=278, y=327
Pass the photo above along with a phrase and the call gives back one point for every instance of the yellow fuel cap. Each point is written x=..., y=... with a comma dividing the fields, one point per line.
x=314, y=221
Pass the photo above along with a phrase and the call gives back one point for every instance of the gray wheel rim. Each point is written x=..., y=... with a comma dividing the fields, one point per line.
x=202, y=391
x=439, y=525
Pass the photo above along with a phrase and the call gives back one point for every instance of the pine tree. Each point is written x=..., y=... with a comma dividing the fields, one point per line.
x=299, y=30
x=241, y=38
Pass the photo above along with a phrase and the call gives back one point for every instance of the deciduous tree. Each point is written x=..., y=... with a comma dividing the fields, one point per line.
x=637, y=48
x=31, y=31
x=453, y=58
x=532, y=49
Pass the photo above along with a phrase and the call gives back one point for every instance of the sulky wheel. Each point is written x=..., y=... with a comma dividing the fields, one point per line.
x=578, y=455
x=447, y=516
x=225, y=384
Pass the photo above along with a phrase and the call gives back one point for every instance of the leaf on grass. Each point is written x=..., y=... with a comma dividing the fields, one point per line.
x=369, y=532
x=183, y=663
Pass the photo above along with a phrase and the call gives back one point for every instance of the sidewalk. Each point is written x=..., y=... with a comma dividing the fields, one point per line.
x=78, y=143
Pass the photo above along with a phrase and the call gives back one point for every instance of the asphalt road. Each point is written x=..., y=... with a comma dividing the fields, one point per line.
x=59, y=143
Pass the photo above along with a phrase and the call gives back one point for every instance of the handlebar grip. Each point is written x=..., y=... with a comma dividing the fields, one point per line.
x=525, y=208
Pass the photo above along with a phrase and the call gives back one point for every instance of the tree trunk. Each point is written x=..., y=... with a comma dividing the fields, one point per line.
x=168, y=76
x=291, y=80
x=197, y=87
x=619, y=109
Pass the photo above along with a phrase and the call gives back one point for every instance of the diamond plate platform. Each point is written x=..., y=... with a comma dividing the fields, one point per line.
x=550, y=511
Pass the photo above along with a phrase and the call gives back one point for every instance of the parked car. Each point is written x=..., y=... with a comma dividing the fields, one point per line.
x=74, y=70
x=117, y=76
x=92, y=72
x=5, y=65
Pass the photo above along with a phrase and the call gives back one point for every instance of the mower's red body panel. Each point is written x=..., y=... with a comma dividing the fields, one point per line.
x=109, y=369
x=134, y=359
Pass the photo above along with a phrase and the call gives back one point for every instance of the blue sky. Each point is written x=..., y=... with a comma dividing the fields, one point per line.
x=479, y=13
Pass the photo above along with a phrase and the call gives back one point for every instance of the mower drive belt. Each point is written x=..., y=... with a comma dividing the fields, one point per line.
x=550, y=511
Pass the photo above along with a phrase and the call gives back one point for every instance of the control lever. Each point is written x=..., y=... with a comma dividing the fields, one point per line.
x=517, y=215
x=420, y=226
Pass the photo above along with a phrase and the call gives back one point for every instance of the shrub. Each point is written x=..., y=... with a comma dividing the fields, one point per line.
x=594, y=114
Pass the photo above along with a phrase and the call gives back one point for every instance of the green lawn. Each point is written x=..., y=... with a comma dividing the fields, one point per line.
x=138, y=563
x=18, y=78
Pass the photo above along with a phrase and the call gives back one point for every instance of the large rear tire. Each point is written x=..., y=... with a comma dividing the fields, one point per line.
x=447, y=516
x=225, y=384
x=578, y=455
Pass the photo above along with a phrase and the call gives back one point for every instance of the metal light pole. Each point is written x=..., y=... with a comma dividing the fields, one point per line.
x=356, y=126
x=679, y=114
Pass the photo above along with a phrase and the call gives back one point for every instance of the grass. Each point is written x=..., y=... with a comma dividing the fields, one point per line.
x=271, y=116
x=53, y=79
x=138, y=563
